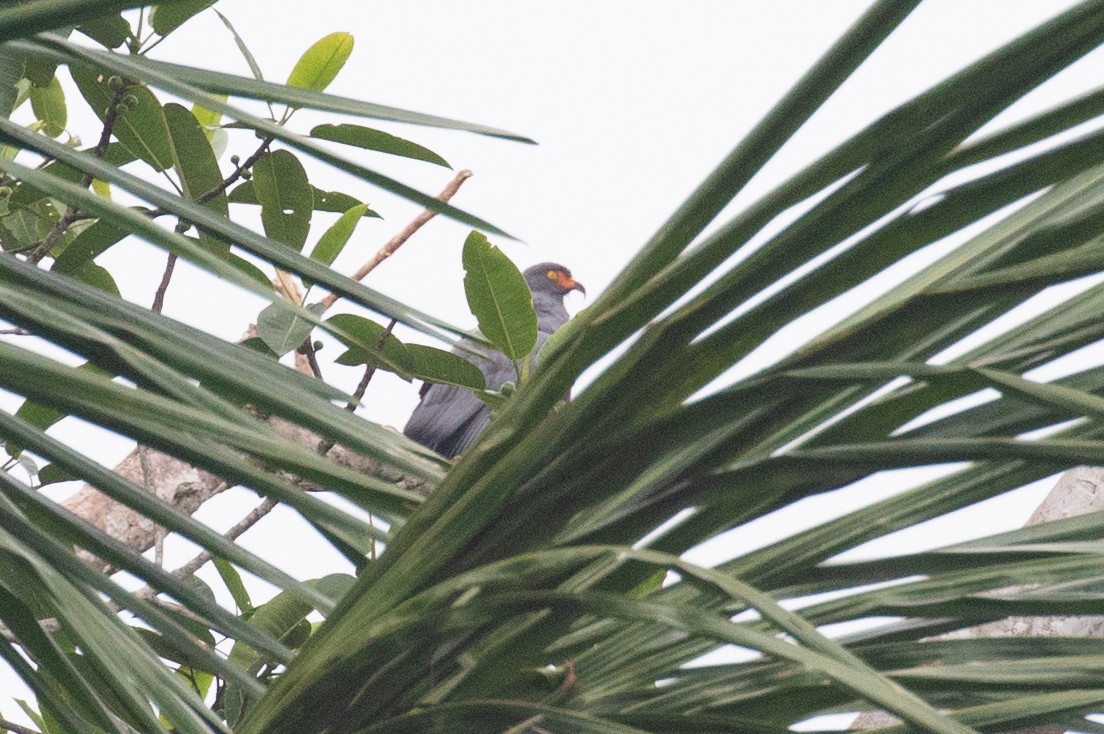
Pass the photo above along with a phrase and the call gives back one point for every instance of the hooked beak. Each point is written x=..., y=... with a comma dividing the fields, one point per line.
x=574, y=285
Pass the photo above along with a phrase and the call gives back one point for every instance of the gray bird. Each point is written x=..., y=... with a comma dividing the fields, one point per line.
x=449, y=418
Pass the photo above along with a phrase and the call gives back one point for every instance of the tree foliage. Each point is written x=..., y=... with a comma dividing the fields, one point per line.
x=539, y=583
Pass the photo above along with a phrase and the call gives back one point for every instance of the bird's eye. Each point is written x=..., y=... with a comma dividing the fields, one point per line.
x=553, y=275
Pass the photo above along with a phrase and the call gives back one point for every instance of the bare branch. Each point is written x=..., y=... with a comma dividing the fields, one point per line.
x=397, y=241
x=72, y=214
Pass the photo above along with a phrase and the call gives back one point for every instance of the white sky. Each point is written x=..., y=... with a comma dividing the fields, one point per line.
x=632, y=103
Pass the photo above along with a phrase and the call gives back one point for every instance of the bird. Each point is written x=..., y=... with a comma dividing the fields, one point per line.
x=449, y=417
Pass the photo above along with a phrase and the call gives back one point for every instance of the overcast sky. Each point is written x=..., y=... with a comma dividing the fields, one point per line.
x=632, y=104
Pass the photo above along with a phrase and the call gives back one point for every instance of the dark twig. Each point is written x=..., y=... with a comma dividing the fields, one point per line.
x=72, y=214
x=16, y=728
x=225, y=183
x=397, y=241
x=325, y=445
x=14, y=332
x=159, y=295
x=237, y=172
x=240, y=527
x=369, y=371
x=312, y=359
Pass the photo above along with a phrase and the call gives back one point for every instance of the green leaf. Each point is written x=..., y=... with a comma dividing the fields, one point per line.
x=238, y=86
x=436, y=365
x=140, y=122
x=233, y=581
x=208, y=119
x=52, y=474
x=333, y=240
x=335, y=201
x=370, y=343
x=198, y=170
x=282, y=328
x=110, y=31
x=281, y=186
x=98, y=276
x=39, y=71
x=279, y=618
x=318, y=66
x=48, y=103
x=167, y=17
x=369, y=139
x=324, y=201
x=249, y=269
x=499, y=297
x=88, y=245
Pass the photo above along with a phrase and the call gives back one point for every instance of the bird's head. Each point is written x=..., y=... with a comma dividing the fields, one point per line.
x=552, y=278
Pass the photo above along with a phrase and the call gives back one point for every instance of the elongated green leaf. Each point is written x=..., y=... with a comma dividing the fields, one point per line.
x=334, y=239
x=229, y=84
x=319, y=64
x=435, y=365
x=499, y=297
x=48, y=103
x=365, y=137
x=197, y=167
x=285, y=195
x=324, y=201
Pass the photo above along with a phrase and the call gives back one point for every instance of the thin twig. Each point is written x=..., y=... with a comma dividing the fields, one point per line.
x=16, y=728
x=71, y=213
x=312, y=359
x=397, y=241
x=325, y=445
x=225, y=183
x=14, y=332
x=240, y=527
x=237, y=172
x=159, y=296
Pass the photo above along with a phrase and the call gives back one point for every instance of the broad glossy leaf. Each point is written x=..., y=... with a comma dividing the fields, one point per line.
x=234, y=585
x=52, y=474
x=369, y=139
x=499, y=297
x=320, y=63
x=39, y=71
x=281, y=186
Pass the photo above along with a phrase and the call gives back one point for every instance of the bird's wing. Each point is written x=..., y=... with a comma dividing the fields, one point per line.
x=447, y=419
